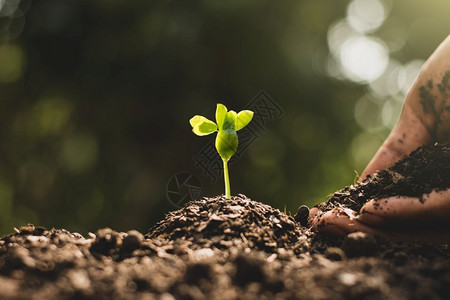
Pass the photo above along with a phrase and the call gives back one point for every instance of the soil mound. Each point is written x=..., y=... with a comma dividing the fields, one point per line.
x=223, y=223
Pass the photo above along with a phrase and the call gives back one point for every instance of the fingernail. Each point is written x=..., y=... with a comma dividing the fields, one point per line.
x=370, y=218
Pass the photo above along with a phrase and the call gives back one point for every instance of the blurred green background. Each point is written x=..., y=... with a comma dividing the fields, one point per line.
x=95, y=98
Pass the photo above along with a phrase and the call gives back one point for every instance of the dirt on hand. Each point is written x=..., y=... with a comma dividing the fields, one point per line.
x=426, y=169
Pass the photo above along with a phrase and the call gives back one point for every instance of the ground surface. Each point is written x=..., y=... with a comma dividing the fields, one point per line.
x=216, y=248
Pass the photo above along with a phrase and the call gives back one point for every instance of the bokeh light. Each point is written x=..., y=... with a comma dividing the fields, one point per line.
x=359, y=57
x=372, y=46
x=390, y=112
x=363, y=59
x=8, y=7
x=366, y=15
x=388, y=84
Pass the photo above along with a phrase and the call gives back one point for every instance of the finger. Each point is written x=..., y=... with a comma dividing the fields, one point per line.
x=408, y=213
x=314, y=217
x=338, y=222
x=312, y=212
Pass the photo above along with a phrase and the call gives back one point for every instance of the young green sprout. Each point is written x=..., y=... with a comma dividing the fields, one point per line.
x=227, y=123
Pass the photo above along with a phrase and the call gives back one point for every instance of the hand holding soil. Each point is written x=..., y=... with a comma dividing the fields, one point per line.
x=425, y=120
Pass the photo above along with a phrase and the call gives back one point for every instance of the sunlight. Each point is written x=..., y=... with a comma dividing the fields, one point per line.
x=363, y=59
x=366, y=15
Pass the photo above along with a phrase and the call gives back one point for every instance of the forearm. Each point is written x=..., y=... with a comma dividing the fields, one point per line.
x=429, y=95
x=425, y=117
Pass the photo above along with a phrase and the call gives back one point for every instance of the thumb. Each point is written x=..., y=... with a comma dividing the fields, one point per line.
x=408, y=213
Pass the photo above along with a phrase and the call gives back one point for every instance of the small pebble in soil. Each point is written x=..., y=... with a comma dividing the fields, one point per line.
x=334, y=254
x=302, y=215
x=132, y=241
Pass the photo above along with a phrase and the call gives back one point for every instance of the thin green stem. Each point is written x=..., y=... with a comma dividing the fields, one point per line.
x=227, y=179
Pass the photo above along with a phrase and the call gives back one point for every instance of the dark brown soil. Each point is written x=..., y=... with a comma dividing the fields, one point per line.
x=216, y=248
x=219, y=249
x=426, y=169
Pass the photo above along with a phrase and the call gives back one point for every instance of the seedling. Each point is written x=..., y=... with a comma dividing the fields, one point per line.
x=227, y=123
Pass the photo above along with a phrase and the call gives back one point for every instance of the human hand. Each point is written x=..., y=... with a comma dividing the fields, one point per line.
x=425, y=119
x=398, y=218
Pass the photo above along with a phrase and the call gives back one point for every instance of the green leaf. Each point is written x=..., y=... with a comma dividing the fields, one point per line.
x=243, y=118
x=230, y=120
x=221, y=113
x=226, y=143
x=232, y=114
x=202, y=126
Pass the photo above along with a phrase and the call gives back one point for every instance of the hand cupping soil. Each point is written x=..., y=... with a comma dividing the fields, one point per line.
x=425, y=170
